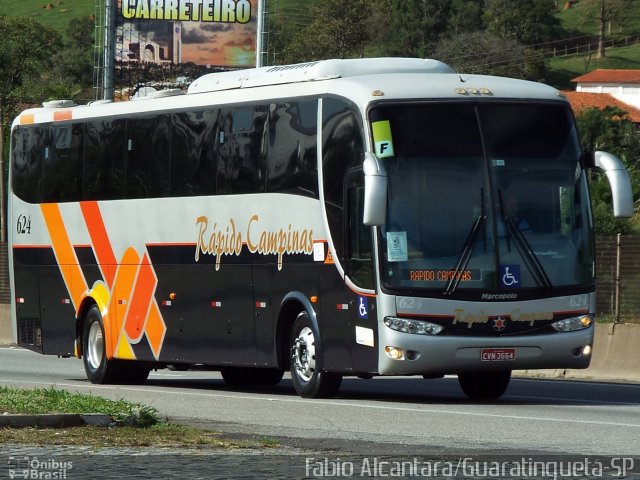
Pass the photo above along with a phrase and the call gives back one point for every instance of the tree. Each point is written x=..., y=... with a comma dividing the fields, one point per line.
x=25, y=50
x=610, y=129
x=464, y=16
x=529, y=22
x=72, y=70
x=483, y=53
x=338, y=30
x=415, y=26
x=605, y=12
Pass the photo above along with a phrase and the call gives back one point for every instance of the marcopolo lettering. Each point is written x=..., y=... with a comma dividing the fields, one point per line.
x=224, y=11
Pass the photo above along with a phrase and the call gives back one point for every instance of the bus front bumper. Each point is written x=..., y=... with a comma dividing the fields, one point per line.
x=410, y=354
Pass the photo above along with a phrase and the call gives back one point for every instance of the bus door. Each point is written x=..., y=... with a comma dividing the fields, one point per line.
x=263, y=313
x=27, y=301
x=57, y=312
x=359, y=269
x=230, y=314
x=181, y=301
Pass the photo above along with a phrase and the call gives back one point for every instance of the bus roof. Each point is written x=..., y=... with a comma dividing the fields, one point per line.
x=361, y=80
x=315, y=71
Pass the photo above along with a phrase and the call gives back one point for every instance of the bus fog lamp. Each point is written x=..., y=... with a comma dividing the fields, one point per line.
x=586, y=351
x=394, y=352
x=572, y=324
x=418, y=327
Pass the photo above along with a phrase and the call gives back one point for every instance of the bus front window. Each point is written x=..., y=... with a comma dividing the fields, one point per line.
x=480, y=199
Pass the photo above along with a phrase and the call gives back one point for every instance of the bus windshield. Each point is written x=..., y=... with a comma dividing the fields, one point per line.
x=487, y=196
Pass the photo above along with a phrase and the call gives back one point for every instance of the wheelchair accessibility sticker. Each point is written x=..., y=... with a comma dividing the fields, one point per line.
x=510, y=276
x=363, y=307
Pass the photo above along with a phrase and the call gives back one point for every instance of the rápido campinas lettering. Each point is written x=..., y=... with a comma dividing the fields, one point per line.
x=278, y=242
x=227, y=240
x=225, y=11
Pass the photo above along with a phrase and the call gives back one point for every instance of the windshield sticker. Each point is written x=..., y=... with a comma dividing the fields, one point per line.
x=498, y=163
x=510, y=276
x=382, y=139
x=397, y=246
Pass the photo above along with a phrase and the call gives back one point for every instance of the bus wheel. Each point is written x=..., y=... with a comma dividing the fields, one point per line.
x=240, y=376
x=308, y=380
x=94, y=355
x=484, y=386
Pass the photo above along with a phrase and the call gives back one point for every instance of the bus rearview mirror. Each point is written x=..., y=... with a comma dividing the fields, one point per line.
x=375, y=191
x=618, y=177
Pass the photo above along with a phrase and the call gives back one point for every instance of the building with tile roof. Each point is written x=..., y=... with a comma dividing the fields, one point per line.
x=609, y=81
x=621, y=86
x=582, y=100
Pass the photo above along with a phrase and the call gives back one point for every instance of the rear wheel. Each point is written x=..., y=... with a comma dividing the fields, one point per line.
x=94, y=355
x=484, y=386
x=241, y=376
x=308, y=379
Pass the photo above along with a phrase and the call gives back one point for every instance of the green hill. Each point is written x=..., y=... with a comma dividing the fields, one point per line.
x=574, y=19
x=58, y=13
x=55, y=13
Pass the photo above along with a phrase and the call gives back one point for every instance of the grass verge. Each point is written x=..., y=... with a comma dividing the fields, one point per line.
x=135, y=425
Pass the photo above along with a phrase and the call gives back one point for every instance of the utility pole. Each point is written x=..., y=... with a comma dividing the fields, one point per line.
x=108, y=85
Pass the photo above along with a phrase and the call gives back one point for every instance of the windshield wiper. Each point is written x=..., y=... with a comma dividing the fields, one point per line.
x=534, y=265
x=465, y=256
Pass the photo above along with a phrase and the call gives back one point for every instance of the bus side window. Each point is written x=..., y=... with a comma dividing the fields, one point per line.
x=193, y=160
x=28, y=152
x=104, y=160
x=290, y=140
x=62, y=172
x=240, y=167
x=148, y=157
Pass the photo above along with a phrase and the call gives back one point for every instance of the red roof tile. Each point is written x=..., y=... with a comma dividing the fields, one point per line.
x=581, y=100
x=609, y=76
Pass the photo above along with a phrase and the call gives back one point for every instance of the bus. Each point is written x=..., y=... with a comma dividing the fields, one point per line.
x=358, y=217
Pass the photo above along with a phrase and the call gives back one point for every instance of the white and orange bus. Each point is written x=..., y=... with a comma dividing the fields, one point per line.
x=338, y=218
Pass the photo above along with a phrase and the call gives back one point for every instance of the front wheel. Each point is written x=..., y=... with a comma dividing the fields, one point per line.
x=308, y=378
x=484, y=386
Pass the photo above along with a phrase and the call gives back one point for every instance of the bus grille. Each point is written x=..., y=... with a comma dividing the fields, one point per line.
x=30, y=333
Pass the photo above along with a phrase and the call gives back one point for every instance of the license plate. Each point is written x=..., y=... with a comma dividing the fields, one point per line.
x=497, y=354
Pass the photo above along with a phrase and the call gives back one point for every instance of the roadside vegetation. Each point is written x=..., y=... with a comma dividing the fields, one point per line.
x=134, y=425
x=47, y=52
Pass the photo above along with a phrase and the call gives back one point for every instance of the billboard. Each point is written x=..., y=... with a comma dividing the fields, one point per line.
x=169, y=40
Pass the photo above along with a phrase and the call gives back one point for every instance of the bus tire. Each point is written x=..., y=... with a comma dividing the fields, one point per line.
x=308, y=380
x=486, y=385
x=94, y=355
x=242, y=376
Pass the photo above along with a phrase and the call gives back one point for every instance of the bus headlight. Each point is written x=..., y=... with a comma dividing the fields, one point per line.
x=418, y=327
x=572, y=324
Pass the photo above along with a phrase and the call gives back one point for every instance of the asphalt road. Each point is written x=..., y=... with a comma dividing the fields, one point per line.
x=409, y=416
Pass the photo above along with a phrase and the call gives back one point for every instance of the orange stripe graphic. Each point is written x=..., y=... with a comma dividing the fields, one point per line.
x=100, y=240
x=155, y=329
x=140, y=301
x=132, y=309
x=121, y=292
x=65, y=255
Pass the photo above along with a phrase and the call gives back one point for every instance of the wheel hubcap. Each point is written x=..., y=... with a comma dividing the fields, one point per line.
x=95, y=345
x=303, y=354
